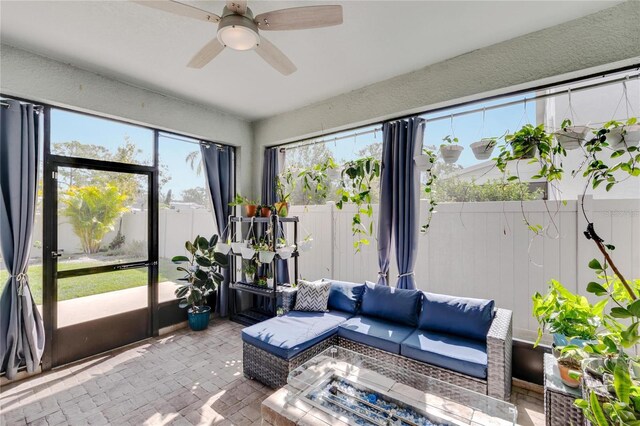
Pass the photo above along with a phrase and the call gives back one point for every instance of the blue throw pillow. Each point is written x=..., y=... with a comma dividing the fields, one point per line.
x=462, y=316
x=391, y=304
x=345, y=296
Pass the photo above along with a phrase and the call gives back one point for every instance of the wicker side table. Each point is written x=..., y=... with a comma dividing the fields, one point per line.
x=558, y=398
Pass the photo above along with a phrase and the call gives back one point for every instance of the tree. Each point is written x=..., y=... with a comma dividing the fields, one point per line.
x=194, y=160
x=167, y=199
x=456, y=190
x=92, y=211
x=197, y=195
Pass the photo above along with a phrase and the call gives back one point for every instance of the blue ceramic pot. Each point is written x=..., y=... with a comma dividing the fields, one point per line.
x=562, y=340
x=199, y=320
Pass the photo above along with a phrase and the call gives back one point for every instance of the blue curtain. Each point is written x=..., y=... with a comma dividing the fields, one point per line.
x=218, y=164
x=400, y=198
x=21, y=326
x=270, y=169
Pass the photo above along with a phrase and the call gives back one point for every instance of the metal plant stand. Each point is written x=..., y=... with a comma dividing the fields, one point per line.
x=277, y=295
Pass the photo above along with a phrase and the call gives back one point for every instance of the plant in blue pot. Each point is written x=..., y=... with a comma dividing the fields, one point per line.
x=569, y=317
x=203, y=268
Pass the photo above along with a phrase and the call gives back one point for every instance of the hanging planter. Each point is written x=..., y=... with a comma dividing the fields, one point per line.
x=307, y=244
x=621, y=135
x=266, y=256
x=572, y=137
x=483, y=148
x=237, y=247
x=248, y=253
x=285, y=252
x=423, y=162
x=450, y=153
x=223, y=248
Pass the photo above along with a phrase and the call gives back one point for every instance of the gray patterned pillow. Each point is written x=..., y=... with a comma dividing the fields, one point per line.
x=312, y=296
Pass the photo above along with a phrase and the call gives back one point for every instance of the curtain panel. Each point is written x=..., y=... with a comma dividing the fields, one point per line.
x=218, y=164
x=400, y=199
x=22, y=330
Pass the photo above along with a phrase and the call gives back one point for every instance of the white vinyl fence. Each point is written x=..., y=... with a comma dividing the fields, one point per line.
x=484, y=250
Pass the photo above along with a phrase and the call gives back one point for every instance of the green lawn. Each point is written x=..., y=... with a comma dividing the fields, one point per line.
x=71, y=288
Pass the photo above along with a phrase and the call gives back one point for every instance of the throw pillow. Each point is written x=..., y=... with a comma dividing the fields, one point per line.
x=312, y=296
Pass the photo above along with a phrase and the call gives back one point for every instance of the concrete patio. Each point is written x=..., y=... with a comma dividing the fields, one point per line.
x=182, y=378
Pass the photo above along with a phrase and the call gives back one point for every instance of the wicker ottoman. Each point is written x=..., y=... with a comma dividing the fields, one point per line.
x=558, y=398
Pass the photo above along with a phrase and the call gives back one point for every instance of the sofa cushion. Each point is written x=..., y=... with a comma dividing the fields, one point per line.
x=288, y=335
x=466, y=356
x=375, y=332
x=391, y=304
x=312, y=296
x=345, y=296
x=462, y=316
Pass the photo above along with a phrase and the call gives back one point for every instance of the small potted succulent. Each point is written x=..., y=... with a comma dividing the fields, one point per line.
x=450, y=150
x=250, y=207
x=203, y=276
x=571, y=137
x=621, y=134
x=285, y=184
x=483, y=148
x=265, y=254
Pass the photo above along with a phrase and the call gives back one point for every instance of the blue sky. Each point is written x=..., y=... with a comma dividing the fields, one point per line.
x=67, y=126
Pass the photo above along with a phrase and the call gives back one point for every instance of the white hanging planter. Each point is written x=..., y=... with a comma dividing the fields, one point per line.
x=483, y=148
x=266, y=256
x=237, y=247
x=306, y=245
x=248, y=253
x=572, y=137
x=285, y=252
x=422, y=162
x=621, y=135
x=450, y=153
x=223, y=248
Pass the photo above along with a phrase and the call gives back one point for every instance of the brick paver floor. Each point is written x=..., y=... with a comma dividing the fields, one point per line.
x=183, y=378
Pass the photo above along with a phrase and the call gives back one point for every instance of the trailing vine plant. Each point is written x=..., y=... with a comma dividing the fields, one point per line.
x=315, y=179
x=428, y=186
x=355, y=187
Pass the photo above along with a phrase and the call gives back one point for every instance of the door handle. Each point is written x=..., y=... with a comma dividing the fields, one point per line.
x=56, y=254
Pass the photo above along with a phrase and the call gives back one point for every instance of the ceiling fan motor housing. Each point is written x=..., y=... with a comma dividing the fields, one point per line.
x=238, y=32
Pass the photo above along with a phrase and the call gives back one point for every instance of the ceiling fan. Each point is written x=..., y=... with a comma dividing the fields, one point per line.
x=238, y=29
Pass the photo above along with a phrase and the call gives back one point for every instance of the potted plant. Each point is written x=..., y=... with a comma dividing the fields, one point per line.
x=223, y=248
x=570, y=317
x=306, y=244
x=526, y=141
x=203, y=266
x=570, y=136
x=265, y=254
x=450, y=150
x=570, y=364
x=250, y=207
x=283, y=249
x=249, y=268
x=483, y=148
x=621, y=134
x=265, y=210
x=285, y=184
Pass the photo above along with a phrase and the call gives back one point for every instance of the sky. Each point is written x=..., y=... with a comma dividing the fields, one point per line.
x=67, y=126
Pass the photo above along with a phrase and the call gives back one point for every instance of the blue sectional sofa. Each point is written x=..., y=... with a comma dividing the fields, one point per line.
x=463, y=341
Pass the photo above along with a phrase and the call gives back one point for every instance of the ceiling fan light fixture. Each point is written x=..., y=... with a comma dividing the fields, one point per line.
x=238, y=37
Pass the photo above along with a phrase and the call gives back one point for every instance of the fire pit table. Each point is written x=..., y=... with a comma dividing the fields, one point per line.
x=342, y=387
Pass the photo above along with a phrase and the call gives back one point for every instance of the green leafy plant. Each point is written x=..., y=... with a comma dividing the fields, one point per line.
x=315, y=180
x=449, y=140
x=203, y=271
x=92, y=212
x=560, y=311
x=285, y=185
x=430, y=181
x=240, y=200
x=355, y=187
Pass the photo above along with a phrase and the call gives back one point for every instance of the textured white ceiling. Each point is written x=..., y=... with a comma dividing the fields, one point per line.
x=378, y=40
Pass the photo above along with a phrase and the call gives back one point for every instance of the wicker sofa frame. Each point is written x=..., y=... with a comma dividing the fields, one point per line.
x=273, y=371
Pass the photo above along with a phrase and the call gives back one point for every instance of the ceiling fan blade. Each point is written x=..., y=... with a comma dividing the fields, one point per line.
x=237, y=6
x=274, y=57
x=206, y=54
x=181, y=9
x=300, y=18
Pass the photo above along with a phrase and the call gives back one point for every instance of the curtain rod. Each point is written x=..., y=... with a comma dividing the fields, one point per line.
x=7, y=105
x=523, y=101
x=194, y=142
